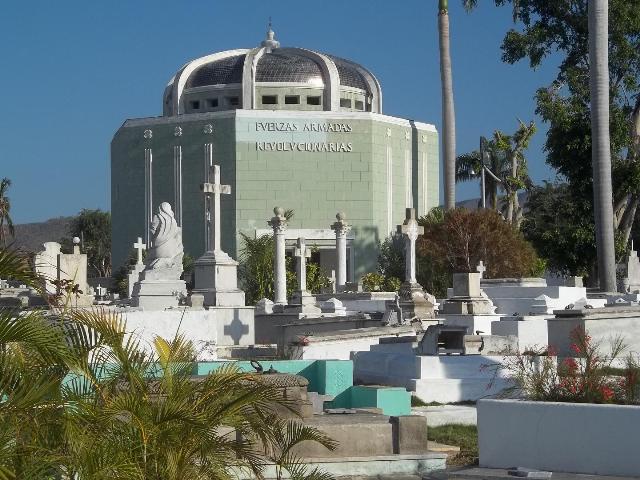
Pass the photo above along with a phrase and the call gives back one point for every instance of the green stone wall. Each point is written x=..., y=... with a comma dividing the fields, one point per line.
x=278, y=172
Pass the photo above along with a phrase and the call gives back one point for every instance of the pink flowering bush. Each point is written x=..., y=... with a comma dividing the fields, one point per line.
x=587, y=377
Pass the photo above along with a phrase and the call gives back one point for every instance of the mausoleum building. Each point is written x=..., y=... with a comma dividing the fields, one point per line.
x=289, y=127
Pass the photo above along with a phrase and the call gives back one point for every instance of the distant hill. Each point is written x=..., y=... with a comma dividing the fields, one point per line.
x=31, y=236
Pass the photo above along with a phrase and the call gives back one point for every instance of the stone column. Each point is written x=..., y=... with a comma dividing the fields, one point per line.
x=302, y=253
x=279, y=225
x=341, y=227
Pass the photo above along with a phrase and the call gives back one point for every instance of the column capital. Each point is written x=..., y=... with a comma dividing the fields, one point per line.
x=340, y=226
x=278, y=222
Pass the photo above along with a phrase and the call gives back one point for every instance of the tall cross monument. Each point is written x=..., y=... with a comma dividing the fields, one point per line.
x=411, y=230
x=212, y=190
x=414, y=302
x=215, y=272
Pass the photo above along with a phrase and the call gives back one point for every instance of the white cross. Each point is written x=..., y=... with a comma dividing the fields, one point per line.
x=140, y=247
x=411, y=230
x=481, y=269
x=212, y=205
x=302, y=253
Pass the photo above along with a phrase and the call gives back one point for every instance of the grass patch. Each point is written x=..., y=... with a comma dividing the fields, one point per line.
x=416, y=402
x=463, y=436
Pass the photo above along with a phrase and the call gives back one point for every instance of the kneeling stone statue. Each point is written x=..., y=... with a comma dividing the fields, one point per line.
x=160, y=285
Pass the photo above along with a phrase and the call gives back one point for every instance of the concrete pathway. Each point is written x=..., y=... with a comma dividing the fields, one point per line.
x=447, y=414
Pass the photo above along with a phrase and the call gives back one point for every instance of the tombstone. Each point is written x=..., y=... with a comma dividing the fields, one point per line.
x=46, y=265
x=467, y=297
x=333, y=306
x=196, y=301
x=481, y=269
x=134, y=272
x=160, y=286
x=54, y=266
x=629, y=273
x=415, y=302
x=302, y=299
x=442, y=340
x=216, y=273
x=264, y=307
x=573, y=282
x=101, y=292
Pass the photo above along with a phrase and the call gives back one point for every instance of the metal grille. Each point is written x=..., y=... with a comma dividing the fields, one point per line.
x=284, y=65
x=220, y=72
x=349, y=74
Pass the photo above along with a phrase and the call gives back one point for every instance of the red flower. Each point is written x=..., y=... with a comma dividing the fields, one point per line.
x=570, y=364
x=576, y=348
x=607, y=393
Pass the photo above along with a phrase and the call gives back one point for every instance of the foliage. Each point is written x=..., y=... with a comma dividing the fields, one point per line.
x=391, y=257
x=552, y=28
x=463, y=436
x=507, y=162
x=257, y=274
x=463, y=238
x=556, y=226
x=372, y=282
x=94, y=229
x=317, y=279
x=6, y=224
x=81, y=398
x=582, y=378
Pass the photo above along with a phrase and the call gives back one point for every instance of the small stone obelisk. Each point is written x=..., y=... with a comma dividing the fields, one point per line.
x=216, y=273
x=279, y=224
x=341, y=228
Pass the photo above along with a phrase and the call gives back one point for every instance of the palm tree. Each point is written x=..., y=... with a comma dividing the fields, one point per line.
x=448, y=113
x=601, y=149
x=5, y=208
x=80, y=397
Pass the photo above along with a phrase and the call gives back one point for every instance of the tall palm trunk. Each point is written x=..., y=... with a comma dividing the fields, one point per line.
x=448, y=114
x=600, y=148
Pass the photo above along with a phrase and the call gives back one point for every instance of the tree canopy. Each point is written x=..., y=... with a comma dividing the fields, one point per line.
x=94, y=229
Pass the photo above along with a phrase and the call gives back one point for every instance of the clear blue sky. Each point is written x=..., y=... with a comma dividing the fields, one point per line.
x=74, y=70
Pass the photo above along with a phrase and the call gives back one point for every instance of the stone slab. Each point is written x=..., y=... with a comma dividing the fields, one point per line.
x=480, y=473
x=448, y=414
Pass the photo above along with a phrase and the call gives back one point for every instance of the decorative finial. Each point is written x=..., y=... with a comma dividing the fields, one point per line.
x=270, y=42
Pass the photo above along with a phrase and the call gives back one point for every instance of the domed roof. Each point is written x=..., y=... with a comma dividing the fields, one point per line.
x=219, y=72
x=288, y=65
x=270, y=64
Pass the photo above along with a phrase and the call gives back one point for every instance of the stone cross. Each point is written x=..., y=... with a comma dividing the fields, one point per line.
x=279, y=225
x=341, y=227
x=301, y=253
x=139, y=246
x=481, y=269
x=410, y=229
x=101, y=291
x=212, y=189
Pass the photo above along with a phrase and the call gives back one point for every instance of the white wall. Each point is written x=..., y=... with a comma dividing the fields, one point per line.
x=560, y=437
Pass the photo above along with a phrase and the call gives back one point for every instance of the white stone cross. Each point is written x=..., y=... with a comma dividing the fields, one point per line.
x=101, y=291
x=481, y=269
x=410, y=229
x=139, y=246
x=212, y=190
x=301, y=252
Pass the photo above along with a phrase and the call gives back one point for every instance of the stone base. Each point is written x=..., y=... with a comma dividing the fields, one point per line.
x=415, y=302
x=303, y=302
x=216, y=278
x=467, y=306
x=133, y=277
x=158, y=294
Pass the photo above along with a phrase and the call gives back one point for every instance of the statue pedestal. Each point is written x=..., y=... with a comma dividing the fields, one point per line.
x=158, y=294
x=216, y=278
